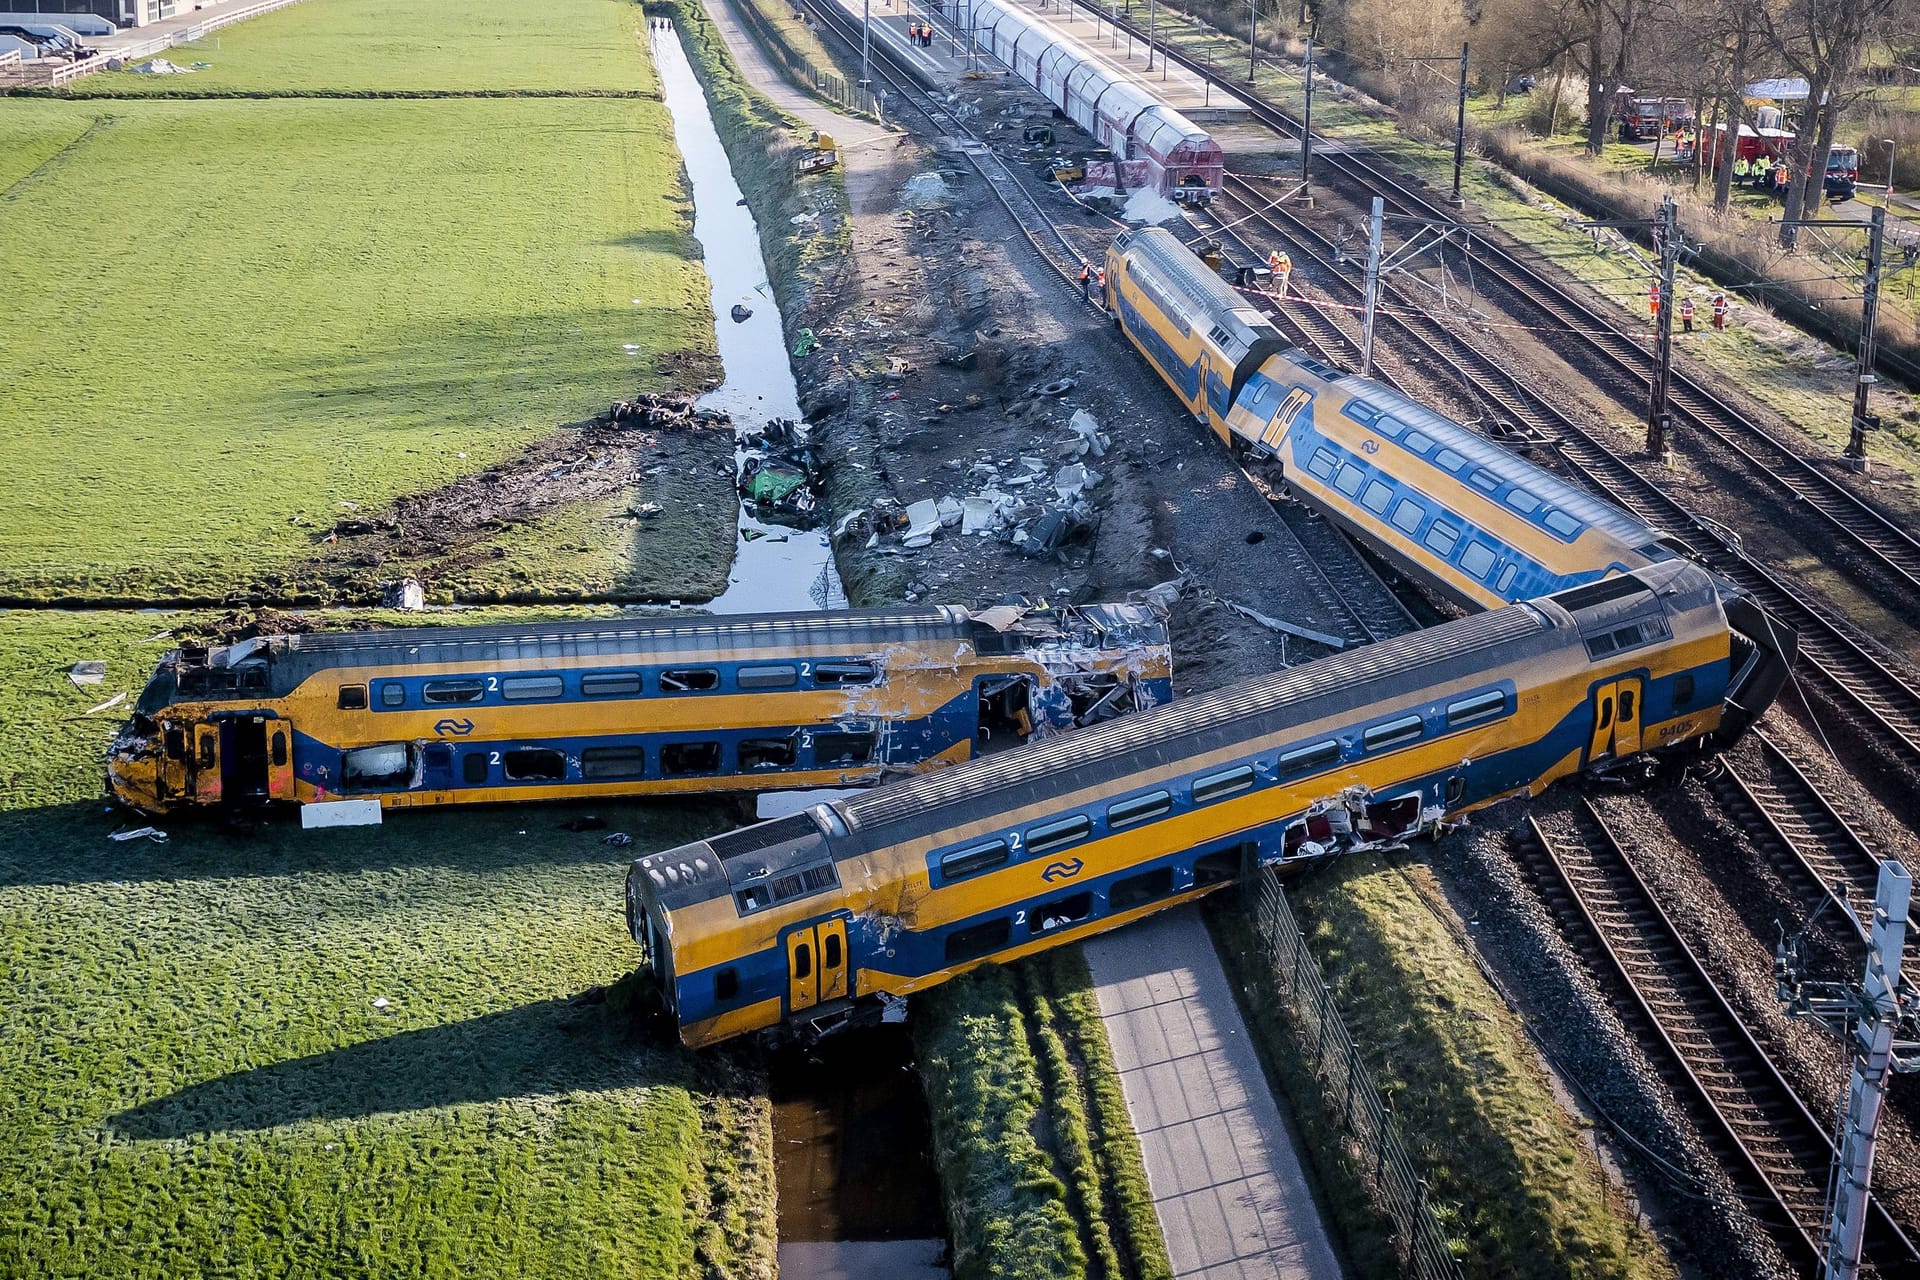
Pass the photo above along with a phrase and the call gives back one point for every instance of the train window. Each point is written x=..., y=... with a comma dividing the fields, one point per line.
x=794, y=884
x=1349, y=480
x=1448, y=459
x=279, y=750
x=1522, y=501
x=1377, y=497
x=1390, y=427
x=1478, y=559
x=1392, y=733
x=1323, y=464
x=1484, y=479
x=1054, y=835
x=1408, y=515
x=1682, y=691
x=1137, y=890
x=387, y=765
x=803, y=961
x=445, y=691
x=830, y=951
x=1225, y=783
x=1362, y=412
x=1442, y=538
x=689, y=757
x=532, y=688
x=845, y=673
x=473, y=767
x=1140, y=808
x=1061, y=912
x=393, y=694
x=1507, y=575
x=535, y=764
x=768, y=753
x=1309, y=758
x=613, y=762
x=1223, y=865
x=610, y=684
x=843, y=748
x=1260, y=388
x=1563, y=524
x=979, y=940
x=353, y=697
x=973, y=860
x=1481, y=706
x=176, y=744
x=726, y=984
x=689, y=680
x=779, y=675
x=1418, y=441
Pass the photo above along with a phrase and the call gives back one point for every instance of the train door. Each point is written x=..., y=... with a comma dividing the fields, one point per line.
x=206, y=763
x=280, y=760
x=816, y=964
x=1616, y=719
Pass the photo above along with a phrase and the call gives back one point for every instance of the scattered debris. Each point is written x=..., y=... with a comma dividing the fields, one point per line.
x=160, y=67
x=1089, y=437
x=108, y=705
x=927, y=189
x=892, y=1008
x=618, y=839
x=154, y=834
x=656, y=410
x=741, y=313
x=806, y=342
x=89, y=672
x=1149, y=206
x=923, y=521
x=1058, y=387
x=340, y=813
x=1286, y=628
x=406, y=593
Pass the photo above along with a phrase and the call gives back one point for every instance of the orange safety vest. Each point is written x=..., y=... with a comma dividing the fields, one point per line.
x=1720, y=304
x=1100, y=277
x=1653, y=300
x=1686, y=308
x=1085, y=271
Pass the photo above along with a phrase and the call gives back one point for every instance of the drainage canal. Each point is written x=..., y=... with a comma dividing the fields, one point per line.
x=859, y=1197
x=775, y=567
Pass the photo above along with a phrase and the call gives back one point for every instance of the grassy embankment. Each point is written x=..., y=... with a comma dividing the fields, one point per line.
x=1805, y=379
x=1506, y=1166
x=1040, y=1166
x=202, y=1082
x=251, y=318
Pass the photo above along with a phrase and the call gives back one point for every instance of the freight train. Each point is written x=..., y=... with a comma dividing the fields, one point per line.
x=812, y=921
x=626, y=707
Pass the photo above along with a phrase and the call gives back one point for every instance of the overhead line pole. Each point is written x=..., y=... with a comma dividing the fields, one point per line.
x=1373, y=286
x=1306, y=134
x=1659, y=416
x=1864, y=379
x=1460, y=128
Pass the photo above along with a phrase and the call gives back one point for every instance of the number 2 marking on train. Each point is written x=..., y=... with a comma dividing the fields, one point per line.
x=493, y=757
x=493, y=684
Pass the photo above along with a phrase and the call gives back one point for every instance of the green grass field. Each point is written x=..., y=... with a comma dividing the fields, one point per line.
x=411, y=46
x=201, y=1082
x=246, y=315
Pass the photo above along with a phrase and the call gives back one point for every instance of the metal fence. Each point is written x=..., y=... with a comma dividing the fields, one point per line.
x=1352, y=1100
x=828, y=84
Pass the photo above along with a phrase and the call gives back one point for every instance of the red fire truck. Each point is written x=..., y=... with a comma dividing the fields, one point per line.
x=1843, y=163
x=1641, y=118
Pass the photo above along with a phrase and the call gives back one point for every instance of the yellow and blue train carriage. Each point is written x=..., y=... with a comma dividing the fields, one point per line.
x=1203, y=339
x=810, y=921
x=1482, y=525
x=624, y=707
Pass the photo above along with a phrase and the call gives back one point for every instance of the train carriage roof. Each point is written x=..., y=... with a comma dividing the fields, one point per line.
x=1482, y=452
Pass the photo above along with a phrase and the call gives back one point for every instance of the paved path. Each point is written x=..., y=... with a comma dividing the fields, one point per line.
x=848, y=131
x=1227, y=1183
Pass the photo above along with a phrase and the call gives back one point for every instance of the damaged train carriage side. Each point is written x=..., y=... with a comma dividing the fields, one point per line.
x=816, y=919
x=625, y=707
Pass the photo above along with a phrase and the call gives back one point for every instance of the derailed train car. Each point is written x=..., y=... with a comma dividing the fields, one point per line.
x=627, y=707
x=815, y=920
x=1474, y=522
x=1125, y=116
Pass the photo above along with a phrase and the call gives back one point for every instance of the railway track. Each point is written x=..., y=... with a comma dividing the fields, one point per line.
x=1778, y=1152
x=1883, y=542
x=1352, y=590
x=1844, y=664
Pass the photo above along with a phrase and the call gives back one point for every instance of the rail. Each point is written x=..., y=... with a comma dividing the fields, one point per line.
x=1878, y=535
x=1844, y=664
x=1347, y=1088
x=1756, y=1123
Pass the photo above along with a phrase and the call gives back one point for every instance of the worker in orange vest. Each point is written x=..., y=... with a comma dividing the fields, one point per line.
x=1720, y=309
x=1086, y=279
x=1281, y=264
x=1686, y=315
x=1100, y=278
x=1653, y=302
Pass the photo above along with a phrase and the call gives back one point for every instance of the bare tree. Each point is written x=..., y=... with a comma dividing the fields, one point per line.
x=1822, y=41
